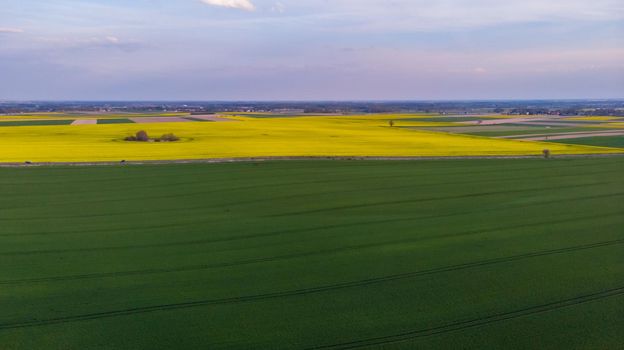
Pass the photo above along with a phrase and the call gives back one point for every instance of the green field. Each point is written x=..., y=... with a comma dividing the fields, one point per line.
x=440, y=254
x=34, y=122
x=605, y=141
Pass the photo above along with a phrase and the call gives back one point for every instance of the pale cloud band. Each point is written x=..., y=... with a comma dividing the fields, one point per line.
x=367, y=16
x=235, y=4
x=442, y=15
x=10, y=30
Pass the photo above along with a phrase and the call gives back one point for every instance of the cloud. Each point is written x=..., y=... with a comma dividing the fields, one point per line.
x=245, y=5
x=73, y=44
x=112, y=39
x=107, y=42
x=5, y=30
x=278, y=7
x=444, y=15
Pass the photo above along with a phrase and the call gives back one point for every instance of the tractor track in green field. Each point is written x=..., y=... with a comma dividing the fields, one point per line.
x=350, y=166
x=353, y=284
x=337, y=226
x=363, y=205
x=169, y=210
x=279, y=257
x=274, y=233
x=476, y=322
x=219, y=190
x=283, y=184
x=430, y=199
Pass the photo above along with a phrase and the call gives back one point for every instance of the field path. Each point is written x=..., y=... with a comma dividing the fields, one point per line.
x=212, y=118
x=84, y=122
x=552, y=123
x=159, y=120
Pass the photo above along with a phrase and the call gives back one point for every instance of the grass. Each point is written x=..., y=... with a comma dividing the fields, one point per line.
x=114, y=121
x=253, y=137
x=483, y=254
x=604, y=141
x=34, y=122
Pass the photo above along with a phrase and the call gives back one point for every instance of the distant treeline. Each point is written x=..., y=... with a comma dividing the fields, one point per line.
x=569, y=111
x=526, y=107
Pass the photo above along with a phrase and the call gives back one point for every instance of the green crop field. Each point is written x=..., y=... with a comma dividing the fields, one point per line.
x=439, y=254
x=34, y=122
x=605, y=141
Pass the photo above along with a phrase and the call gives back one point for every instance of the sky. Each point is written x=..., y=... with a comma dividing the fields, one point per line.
x=311, y=49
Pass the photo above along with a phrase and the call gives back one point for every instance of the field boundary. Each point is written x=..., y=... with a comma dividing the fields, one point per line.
x=298, y=158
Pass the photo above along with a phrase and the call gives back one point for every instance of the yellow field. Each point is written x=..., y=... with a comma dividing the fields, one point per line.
x=249, y=137
x=596, y=119
x=612, y=125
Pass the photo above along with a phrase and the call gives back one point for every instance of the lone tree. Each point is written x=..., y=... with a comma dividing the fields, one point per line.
x=142, y=136
x=391, y=123
x=168, y=138
x=546, y=153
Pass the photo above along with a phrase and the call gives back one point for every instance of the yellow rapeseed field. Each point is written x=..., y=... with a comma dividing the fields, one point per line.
x=249, y=137
x=612, y=125
x=596, y=119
